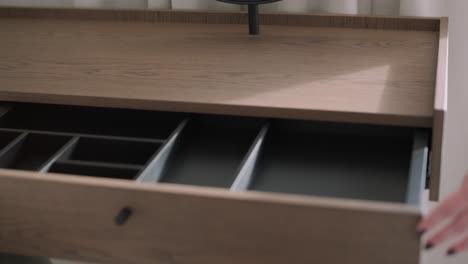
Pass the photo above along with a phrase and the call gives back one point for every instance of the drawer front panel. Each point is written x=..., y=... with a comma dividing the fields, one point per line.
x=74, y=217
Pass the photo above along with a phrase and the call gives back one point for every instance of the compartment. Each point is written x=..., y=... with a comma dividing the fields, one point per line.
x=111, y=151
x=211, y=151
x=347, y=161
x=94, y=170
x=7, y=137
x=32, y=151
x=91, y=120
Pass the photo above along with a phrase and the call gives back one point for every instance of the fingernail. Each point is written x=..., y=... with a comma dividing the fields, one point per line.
x=421, y=232
x=429, y=245
x=451, y=252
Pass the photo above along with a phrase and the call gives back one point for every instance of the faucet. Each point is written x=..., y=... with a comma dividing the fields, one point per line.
x=254, y=18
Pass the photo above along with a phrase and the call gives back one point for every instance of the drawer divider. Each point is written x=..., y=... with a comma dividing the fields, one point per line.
x=70, y=134
x=152, y=172
x=247, y=169
x=418, y=169
x=9, y=152
x=60, y=153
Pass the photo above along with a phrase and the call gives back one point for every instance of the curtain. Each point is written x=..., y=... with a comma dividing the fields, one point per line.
x=363, y=7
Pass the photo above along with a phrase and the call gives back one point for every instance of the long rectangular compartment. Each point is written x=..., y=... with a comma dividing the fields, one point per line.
x=346, y=161
x=211, y=150
x=95, y=170
x=111, y=151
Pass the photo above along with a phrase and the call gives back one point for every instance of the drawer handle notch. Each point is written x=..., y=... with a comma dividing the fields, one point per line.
x=123, y=216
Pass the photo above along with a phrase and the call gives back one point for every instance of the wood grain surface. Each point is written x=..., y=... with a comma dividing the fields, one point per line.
x=221, y=17
x=73, y=217
x=440, y=111
x=336, y=74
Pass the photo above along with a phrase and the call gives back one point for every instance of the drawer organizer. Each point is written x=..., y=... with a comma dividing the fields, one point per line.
x=238, y=153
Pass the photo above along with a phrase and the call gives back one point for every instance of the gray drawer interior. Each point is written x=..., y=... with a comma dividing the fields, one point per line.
x=331, y=163
x=111, y=151
x=30, y=151
x=96, y=170
x=226, y=138
x=238, y=153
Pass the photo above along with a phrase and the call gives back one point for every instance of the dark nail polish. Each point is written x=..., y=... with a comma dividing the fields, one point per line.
x=451, y=252
x=429, y=245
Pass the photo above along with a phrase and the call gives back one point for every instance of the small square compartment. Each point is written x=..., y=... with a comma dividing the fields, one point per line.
x=7, y=137
x=32, y=152
x=345, y=161
x=111, y=151
x=94, y=170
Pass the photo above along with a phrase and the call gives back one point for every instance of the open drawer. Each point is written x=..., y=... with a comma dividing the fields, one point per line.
x=351, y=69
x=77, y=183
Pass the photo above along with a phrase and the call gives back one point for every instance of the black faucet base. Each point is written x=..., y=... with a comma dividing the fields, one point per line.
x=254, y=17
x=254, y=20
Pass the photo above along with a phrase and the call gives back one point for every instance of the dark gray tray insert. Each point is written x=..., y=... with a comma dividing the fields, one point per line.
x=211, y=151
x=111, y=151
x=94, y=170
x=336, y=161
x=32, y=151
x=92, y=120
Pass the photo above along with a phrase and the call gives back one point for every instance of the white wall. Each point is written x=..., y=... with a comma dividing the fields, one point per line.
x=456, y=163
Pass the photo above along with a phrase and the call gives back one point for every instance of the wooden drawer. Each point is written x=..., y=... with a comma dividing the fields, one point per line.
x=371, y=70
x=194, y=188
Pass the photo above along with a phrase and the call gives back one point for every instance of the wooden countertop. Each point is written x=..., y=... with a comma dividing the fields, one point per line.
x=323, y=73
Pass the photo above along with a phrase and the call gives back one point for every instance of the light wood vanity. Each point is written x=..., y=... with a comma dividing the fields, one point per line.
x=174, y=137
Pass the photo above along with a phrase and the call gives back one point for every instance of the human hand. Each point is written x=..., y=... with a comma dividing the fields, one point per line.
x=454, y=209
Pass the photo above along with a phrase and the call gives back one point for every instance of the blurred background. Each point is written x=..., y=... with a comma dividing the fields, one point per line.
x=368, y=7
